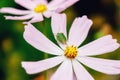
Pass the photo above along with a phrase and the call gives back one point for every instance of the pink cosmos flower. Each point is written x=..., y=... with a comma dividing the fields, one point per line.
x=69, y=54
x=36, y=9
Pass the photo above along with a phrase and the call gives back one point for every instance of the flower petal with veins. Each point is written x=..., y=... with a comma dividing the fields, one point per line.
x=102, y=45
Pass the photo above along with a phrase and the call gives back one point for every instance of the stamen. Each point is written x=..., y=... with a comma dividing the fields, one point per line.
x=40, y=8
x=71, y=52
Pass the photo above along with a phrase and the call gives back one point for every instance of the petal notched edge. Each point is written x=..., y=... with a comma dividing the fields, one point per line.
x=79, y=30
x=102, y=45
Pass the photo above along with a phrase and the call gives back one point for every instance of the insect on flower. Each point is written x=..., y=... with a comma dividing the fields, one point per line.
x=69, y=55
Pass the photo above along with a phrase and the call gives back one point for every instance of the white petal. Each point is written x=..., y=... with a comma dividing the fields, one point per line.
x=74, y=76
x=80, y=71
x=59, y=25
x=26, y=3
x=40, y=1
x=14, y=11
x=65, y=5
x=54, y=4
x=100, y=46
x=64, y=72
x=39, y=41
x=37, y=18
x=102, y=65
x=39, y=66
x=48, y=14
x=79, y=30
x=25, y=17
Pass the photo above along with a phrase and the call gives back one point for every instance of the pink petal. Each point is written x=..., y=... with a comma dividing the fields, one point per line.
x=39, y=66
x=26, y=3
x=59, y=25
x=74, y=76
x=65, y=5
x=80, y=71
x=37, y=18
x=40, y=2
x=100, y=46
x=39, y=41
x=25, y=17
x=102, y=65
x=64, y=72
x=54, y=4
x=14, y=11
x=48, y=14
x=79, y=30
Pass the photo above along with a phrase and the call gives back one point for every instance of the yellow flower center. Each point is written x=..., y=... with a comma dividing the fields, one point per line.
x=71, y=52
x=40, y=8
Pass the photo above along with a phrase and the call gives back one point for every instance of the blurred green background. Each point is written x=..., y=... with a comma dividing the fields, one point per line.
x=14, y=49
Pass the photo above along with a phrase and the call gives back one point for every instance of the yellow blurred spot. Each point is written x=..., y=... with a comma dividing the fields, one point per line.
x=98, y=21
x=7, y=45
x=117, y=2
x=14, y=60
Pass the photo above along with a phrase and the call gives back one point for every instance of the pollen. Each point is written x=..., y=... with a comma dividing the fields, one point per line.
x=71, y=52
x=40, y=8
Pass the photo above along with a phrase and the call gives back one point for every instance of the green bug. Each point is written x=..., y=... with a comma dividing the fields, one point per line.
x=61, y=38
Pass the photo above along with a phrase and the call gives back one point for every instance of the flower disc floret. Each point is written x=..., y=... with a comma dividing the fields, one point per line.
x=71, y=52
x=40, y=8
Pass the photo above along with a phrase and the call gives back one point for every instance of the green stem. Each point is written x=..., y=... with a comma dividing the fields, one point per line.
x=44, y=28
